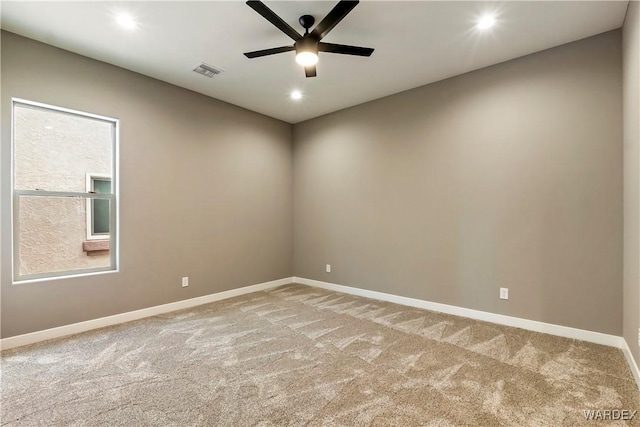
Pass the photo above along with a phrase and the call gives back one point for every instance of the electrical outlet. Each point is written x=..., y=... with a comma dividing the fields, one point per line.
x=638, y=337
x=328, y=268
x=185, y=282
x=504, y=293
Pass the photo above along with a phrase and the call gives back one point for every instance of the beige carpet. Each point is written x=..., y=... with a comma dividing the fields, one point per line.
x=297, y=355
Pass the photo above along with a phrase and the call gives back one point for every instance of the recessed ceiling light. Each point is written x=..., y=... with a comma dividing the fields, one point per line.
x=486, y=21
x=126, y=21
x=296, y=94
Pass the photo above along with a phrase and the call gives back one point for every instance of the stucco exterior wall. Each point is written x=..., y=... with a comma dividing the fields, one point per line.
x=54, y=151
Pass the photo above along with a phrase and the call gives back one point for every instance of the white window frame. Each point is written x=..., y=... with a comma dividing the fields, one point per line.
x=114, y=226
x=90, y=177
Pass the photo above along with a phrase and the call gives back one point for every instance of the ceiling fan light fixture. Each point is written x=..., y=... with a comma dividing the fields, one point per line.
x=306, y=52
x=307, y=59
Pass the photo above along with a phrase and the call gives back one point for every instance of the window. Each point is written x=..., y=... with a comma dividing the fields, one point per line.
x=65, y=192
x=98, y=209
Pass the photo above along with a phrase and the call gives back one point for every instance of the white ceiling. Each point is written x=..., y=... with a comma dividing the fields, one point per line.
x=416, y=43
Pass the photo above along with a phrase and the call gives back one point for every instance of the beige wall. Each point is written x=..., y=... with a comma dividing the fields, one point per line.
x=510, y=176
x=631, y=84
x=205, y=190
x=54, y=151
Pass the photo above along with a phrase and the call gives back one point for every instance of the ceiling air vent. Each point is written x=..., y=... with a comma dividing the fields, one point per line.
x=207, y=70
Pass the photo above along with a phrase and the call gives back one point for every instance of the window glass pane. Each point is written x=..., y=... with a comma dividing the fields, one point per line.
x=52, y=238
x=55, y=150
x=100, y=216
x=102, y=186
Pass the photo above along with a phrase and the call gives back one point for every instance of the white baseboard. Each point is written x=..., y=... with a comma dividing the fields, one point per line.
x=630, y=360
x=531, y=325
x=75, y=328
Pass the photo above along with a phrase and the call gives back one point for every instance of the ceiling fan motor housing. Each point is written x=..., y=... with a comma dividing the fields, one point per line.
x=307, y=44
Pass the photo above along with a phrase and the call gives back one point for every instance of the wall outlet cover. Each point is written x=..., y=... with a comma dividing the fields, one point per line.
x=328, y=268
x=185, y=282
x=504, y=293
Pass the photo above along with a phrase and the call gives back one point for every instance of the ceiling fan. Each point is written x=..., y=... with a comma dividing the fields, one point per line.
x=308, y=45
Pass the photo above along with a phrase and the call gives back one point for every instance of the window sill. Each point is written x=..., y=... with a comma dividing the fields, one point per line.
x=95, y=247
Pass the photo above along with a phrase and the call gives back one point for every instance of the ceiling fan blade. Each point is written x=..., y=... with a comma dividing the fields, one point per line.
x=310, y=71
x=331, y=20
x=270, y=16
x=344, y=49
x=272, y=51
